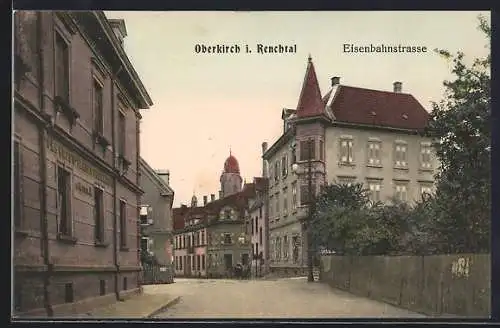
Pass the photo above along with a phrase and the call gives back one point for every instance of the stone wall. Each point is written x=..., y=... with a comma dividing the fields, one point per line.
x=435, y=285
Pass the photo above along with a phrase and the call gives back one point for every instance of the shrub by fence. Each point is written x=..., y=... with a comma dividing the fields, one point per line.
x=457, y=284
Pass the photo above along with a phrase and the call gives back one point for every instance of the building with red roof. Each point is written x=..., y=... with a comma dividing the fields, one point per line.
x=350, y=134
x=211, y=238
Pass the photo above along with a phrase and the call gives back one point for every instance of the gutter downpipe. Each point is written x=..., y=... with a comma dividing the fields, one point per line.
x=43, y=174
x=115, y=214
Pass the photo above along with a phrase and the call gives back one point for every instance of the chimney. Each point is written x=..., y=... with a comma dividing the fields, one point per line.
x=398, y=86
x=264, y=162
x=220, y=194
x=335, y=80
x=205, y=198
x=164, y=175
x=118, y=26
x=212, y=197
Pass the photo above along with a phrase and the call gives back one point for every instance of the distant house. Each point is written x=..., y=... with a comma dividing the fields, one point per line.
x=155, y=215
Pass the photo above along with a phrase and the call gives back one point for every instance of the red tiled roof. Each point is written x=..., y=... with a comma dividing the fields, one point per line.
x=310, y=102
x=381, y=108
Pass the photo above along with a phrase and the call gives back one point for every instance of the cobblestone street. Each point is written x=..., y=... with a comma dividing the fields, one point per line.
x=284, y=298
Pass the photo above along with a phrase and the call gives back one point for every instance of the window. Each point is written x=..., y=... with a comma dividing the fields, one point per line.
x=294, y=195
x=271, y=207
x=285, y=247
x=64, y=201
x=374, y=187
x=321, y=150
x=102, y=287
x=227, y=239
x=146, y=216
x=260, y=235
x=145, y=244
x=426, y=189
x=98, y=108
x=346, y=153
x=425, y=156
x=18, y=183
x=203, y=261
x=260, y=212
x=61, y=59
x=252, y=224
x=98, y=214
x=198, y=262
x=294, y=156
x=68, y=293
x=180, y=262
x=304, y=193
x=277, y=199
x=285, y=201
x=401, y=192
x=122, y=133
x=203, y=237
x=400, y=155
x=278, y=248
x=374, y=153
x=284, y=166
x=123, y=224
x=295, y=249
x=276, y=171
x=307, y=150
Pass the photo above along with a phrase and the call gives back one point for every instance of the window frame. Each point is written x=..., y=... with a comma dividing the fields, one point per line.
x=68, y=217
x=426, y=150
x=98, y=113
x=400, y=156
x=123, y=224
x=122, y=132
x=59, y=35
x=374, y=153
x=346, y=150
x=99, y=218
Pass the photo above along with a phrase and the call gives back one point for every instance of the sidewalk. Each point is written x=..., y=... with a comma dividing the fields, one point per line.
x=136, y=307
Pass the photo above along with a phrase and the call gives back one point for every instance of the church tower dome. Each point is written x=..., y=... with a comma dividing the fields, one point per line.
x=230, y=179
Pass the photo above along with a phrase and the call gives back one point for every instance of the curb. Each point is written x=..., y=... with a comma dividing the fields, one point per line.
x=162, y=308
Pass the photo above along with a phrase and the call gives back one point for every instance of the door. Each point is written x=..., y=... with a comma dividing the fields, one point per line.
x=228, y=261
x=187, y=265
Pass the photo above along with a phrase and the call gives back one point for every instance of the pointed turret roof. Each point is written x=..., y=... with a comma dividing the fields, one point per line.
x=310, y=102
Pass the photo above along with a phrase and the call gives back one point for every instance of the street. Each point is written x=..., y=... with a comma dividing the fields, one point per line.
x=284, y=298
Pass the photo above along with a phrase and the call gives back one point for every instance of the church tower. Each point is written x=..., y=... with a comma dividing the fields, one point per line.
x=230, y=179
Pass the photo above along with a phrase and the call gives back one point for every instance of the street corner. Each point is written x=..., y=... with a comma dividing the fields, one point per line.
x=164, y=307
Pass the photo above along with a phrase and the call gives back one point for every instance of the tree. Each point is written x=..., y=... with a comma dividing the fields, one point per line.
x=461, y=131
x=339, y=214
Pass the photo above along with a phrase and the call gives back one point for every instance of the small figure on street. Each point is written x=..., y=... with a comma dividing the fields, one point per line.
x=238, y=270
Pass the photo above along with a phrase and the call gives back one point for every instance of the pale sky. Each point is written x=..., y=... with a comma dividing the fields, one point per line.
x=205, y=104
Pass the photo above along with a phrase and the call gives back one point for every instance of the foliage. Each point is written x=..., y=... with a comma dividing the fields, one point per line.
x=454, y=220
x=460, y=126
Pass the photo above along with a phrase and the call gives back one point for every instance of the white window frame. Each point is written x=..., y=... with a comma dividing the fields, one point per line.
x=400, y=190
x=346, y=153
x=400, y=154
x=426, y=150
x=374, y=152
x=375, y=188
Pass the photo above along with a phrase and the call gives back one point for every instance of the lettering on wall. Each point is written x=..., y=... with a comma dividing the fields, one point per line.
x=75, y=160
x=84, y=189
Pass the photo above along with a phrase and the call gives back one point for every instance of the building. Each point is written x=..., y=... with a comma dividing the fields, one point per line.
x=76, y=161
x=211, y=239
x=156, y=220
x=257, y=226
x=351, y=135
